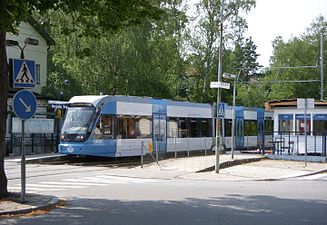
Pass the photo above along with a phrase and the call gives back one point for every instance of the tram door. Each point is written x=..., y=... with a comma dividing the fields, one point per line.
x=239, y=127
x=261, y=127
x=159, y=132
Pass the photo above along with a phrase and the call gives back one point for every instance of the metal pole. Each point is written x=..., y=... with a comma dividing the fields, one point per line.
x=142, y=155
x=322, y=67
x=305, y=132
x=233, y=119
x=175, y=148
x=157, y=153
x=22, y=165
x=218, y=90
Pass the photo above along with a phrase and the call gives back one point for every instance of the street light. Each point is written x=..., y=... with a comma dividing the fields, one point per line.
x=28, y=41
x=235, y=78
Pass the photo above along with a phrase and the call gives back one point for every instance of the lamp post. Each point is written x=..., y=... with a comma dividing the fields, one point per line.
x=235, y=78
x=28, y=41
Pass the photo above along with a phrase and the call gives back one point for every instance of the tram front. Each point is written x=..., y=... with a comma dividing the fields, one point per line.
x=76, y=129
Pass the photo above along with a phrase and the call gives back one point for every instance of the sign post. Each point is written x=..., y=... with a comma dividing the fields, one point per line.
x=220, y=115
x=305, y=103
x=24, y=106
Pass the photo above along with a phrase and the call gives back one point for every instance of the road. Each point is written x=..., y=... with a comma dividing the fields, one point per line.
x=97, y=195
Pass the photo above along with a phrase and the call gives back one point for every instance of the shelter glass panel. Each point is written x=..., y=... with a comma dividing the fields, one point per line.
x=286, y=123
x=300, y=124
x=320, y=124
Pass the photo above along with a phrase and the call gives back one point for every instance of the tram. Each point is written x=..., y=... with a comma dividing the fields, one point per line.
x=119, y=126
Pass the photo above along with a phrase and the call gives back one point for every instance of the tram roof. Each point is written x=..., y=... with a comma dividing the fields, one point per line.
x=98, y=100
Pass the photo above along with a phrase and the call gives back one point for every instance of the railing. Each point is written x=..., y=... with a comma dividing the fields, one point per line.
x=34, y=144
x=295, y=143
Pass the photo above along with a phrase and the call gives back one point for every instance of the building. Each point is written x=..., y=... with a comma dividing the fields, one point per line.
x=31, y=44
x=39, y=53
x=289, y=125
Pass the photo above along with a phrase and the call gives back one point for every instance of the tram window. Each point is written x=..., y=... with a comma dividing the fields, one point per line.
x=228, y=127
x=143, y=127
x=206, y=128
x=105, y=127
x=172, y=125
x=182, y=131
x=194, y=125
x=127, y=127
x=269, y=126
x=250, y=128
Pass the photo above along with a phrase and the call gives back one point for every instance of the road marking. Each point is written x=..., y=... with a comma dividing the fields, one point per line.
x=60, y=183
x=33, y=189
x=95, y=180
x=84, y=182
x=53, y=186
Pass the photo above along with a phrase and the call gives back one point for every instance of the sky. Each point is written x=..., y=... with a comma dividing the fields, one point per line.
x=286, y=18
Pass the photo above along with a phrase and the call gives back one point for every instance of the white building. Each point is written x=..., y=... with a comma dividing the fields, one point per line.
x=39, y=53
x=290, y=125
x=39, y=42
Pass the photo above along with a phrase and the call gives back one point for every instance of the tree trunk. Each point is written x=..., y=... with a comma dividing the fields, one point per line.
x=3, y=112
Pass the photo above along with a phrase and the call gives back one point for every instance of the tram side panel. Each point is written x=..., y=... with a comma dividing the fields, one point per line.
x=134, y=128
x=188, y=126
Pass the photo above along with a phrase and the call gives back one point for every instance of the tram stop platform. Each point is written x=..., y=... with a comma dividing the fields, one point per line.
x=243, y=167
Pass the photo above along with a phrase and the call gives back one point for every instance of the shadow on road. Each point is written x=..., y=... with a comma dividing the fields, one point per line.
x=230, y=210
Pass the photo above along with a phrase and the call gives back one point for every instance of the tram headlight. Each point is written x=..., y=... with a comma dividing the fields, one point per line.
x=80, y=137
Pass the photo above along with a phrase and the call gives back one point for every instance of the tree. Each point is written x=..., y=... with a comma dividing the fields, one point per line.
x=95, y=16
x=203, y=46
x=298, y=53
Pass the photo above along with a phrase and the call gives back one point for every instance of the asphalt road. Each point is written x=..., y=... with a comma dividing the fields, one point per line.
x=96, y=196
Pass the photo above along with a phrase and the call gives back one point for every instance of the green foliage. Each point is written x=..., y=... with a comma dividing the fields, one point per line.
x=299, y=52
x=142, y=60
x=203, y=60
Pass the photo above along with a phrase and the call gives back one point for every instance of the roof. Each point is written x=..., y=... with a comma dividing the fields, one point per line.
x=289, y=103
x=41, y=31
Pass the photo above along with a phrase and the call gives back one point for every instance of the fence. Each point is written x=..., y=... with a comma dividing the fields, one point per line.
x=295, y=143
x=34, y=144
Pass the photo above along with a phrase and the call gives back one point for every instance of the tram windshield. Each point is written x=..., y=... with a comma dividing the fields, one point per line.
x=78, y=123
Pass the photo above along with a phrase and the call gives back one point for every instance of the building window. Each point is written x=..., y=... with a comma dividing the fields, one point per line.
x=37, y=73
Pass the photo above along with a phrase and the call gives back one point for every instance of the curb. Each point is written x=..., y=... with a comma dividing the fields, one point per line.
x=45, y=206
x=227, y=164
x=296, y=176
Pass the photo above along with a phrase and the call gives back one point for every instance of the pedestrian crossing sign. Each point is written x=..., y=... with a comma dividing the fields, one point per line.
x=23, y=73
x=221, y=110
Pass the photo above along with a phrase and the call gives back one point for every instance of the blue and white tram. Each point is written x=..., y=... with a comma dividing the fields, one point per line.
x=253, y=127
x=117, y=126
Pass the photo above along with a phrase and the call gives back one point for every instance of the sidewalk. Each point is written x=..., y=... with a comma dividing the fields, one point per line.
x=260, y=168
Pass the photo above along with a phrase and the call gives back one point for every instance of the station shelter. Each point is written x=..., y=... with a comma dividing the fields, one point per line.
x=289, y=126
